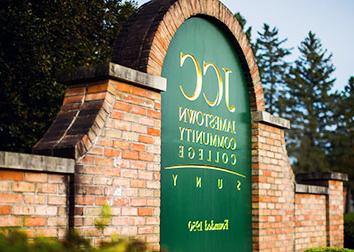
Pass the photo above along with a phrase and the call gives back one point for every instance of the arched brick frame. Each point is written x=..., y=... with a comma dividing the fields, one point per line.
x=79, y=122
x=144, y=41
x=110, y=121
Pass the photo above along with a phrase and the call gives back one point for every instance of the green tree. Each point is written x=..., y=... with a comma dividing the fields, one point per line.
x=242, y=21
x=271, y=59
x=341, y=154
x=38, y=40
x=310, y=81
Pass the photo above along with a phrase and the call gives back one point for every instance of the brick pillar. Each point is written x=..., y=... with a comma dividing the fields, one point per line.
x=334, y=205
x=111, y=126
x=335, y=213
x=273, y=186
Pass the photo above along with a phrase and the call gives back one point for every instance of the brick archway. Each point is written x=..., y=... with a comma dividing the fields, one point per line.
x=110, y=123
x=144, y=41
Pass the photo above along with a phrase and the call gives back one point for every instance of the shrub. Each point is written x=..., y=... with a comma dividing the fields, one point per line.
x=16, y=241
x=349, y=230
x=329, y=250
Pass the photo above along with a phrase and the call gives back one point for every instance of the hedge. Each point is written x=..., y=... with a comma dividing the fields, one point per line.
x=329, y=250
x=349, y=230
x=17, y=241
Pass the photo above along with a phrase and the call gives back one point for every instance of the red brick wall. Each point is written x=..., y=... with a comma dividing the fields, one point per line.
x=119, y=165
x=335, y=214
x=273, y=191
x=36, y=202
x=122, y=168
x=310, y=221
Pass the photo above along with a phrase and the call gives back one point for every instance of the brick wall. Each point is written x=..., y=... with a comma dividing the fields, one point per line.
x=335, y=213
x=118, y=163
x=122, y=168
x=319, y=210
x=110, y=125
x=310, y=221
x=273, y=190
x=36, y=201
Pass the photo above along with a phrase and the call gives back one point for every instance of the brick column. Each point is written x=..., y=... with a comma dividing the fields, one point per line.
x=334, y=203
x=272, y=186
x=33, y=193
x=110, y=122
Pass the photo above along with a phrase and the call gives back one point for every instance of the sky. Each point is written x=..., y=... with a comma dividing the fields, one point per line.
x=331, y=20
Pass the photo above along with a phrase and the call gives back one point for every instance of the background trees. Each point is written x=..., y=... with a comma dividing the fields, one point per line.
x=321, y=137
x=341, y=151
x=38, y=40
x=310, y=82
x=271, y=59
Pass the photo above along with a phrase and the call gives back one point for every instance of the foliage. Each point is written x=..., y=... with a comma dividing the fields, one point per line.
x=329, y=250
x=349, y=230
x=247, y=30
x=38, y=40
x=341, y=156
x=105, y=217
x=273, y=68
x=310, y=81
x=15, y=241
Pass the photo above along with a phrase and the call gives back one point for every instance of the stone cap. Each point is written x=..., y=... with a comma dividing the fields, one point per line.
x=30, y=162
x=322, y=176
x=311, y=189
x=267, y=118
x=114, y=71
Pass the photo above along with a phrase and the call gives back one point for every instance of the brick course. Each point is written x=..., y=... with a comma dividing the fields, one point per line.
x=110, y=124
x=310, y=221
x=34, y=201
x=120, y=164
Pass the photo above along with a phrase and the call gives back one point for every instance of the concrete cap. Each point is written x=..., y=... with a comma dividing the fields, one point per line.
x=114, y=71
x=29, y=162
x=267, y=118
x=322, y=176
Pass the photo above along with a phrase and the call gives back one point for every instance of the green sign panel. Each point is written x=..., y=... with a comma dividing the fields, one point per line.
x=206, y=143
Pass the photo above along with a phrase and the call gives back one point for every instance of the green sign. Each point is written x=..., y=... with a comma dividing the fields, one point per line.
x=206, y=143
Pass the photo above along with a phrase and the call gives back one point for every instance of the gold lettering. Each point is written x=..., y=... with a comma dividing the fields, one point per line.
x=227, y=91
x=181, y=151
x=238, y=185
x=198, y=182
x=233, y=159
x=191, y=153
x=181, y=131
x=174, y=177
x=225, y=158
x=220, y=184
x=199, y=83
x=217, y=160
x=209, y=156
x=182, y=114
x=201, y=154
x=220, y=85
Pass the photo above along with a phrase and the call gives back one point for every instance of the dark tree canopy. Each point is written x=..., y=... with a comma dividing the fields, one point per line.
x=242, y=21
x=38, y=40
x=271, y=59
x=310, y=82
x=41, y=39
x=341, y=154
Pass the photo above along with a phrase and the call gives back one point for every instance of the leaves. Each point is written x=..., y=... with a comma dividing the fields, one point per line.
x=271, y=59
x=310, y=81
x=38, y=40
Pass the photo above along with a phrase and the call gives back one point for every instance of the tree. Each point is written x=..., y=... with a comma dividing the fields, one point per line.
x=38, y=40
x=341, y=154
x=310, y=81
x=242, y=21
x=271, y=59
